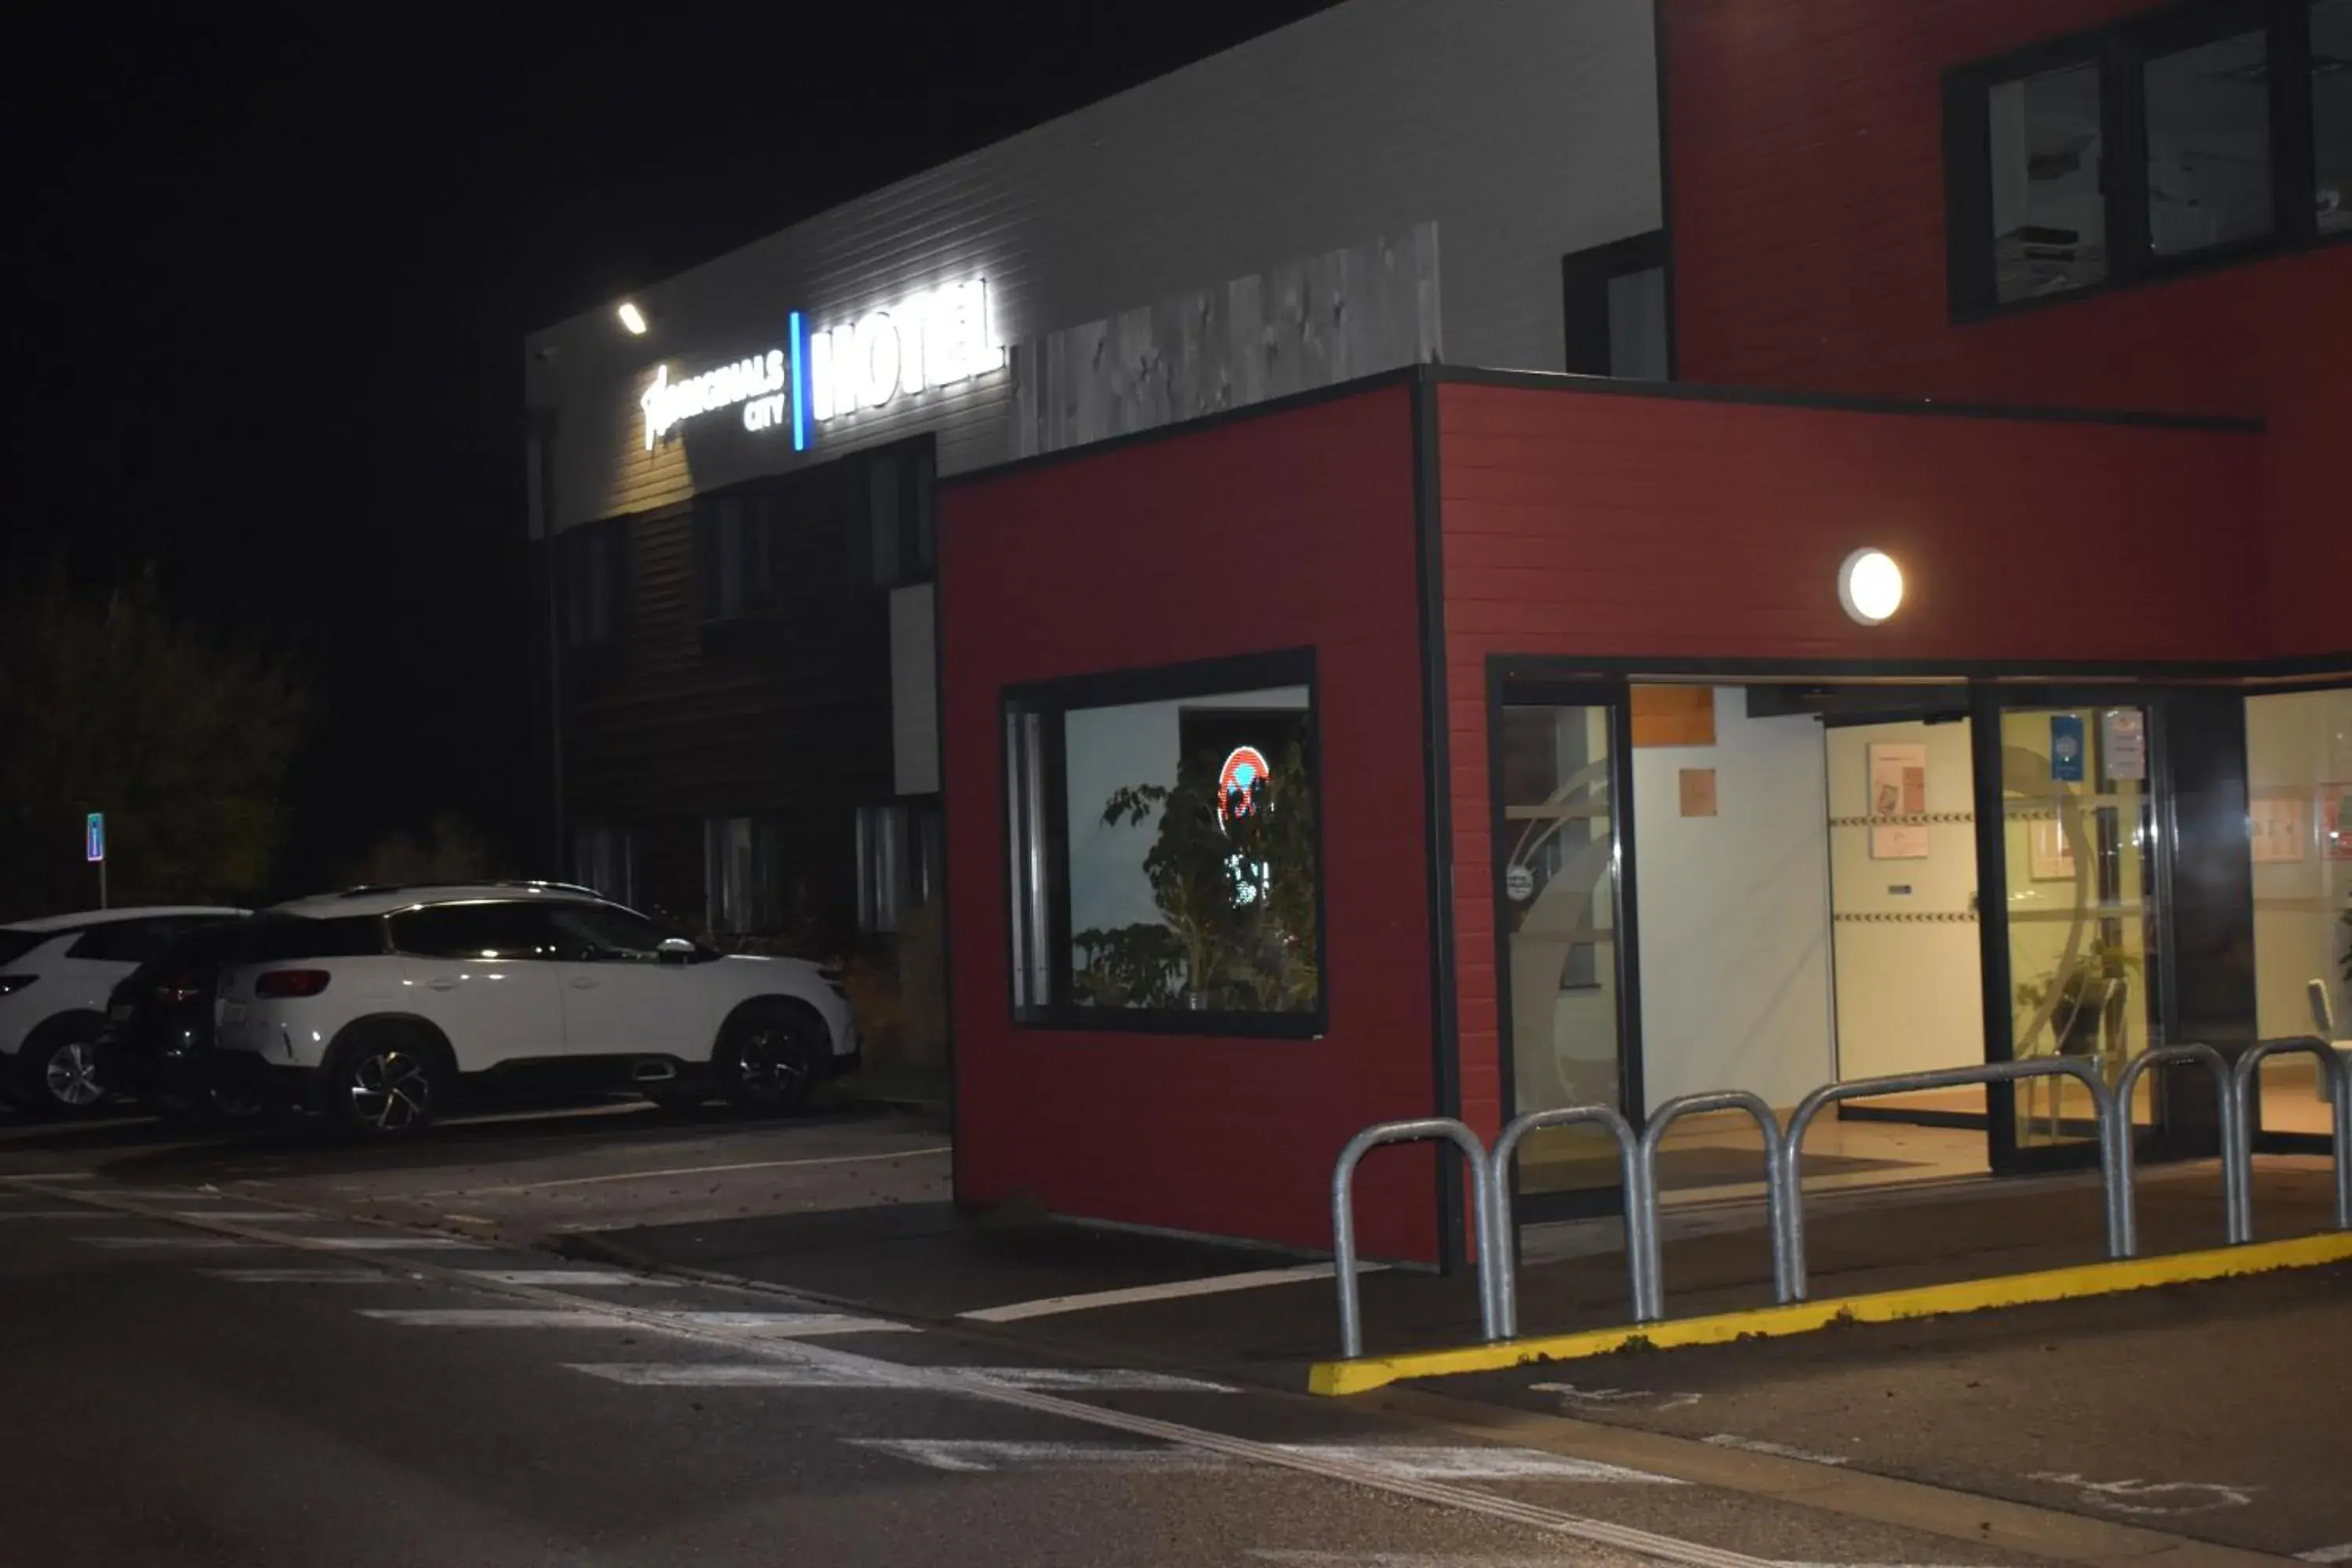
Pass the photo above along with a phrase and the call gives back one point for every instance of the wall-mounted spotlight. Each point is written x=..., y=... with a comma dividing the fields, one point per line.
x=632, y=317
x=1870, y=586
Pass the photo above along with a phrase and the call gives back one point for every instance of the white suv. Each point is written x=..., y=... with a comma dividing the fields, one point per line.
x=55, y=976
x=373, y=1006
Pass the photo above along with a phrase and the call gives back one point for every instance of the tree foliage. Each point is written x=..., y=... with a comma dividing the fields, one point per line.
x=180, y=733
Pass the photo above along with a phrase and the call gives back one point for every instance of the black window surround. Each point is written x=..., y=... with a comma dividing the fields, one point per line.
x=593, y=571
x=2120, y=54
x=1039, y=950
x=748, y=565
x=1585, y=277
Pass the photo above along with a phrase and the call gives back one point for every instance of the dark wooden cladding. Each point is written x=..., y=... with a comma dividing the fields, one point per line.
x=782, y=713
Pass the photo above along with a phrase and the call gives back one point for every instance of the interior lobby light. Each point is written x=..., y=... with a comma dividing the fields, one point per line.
x=1870, y=586
x=633, y=318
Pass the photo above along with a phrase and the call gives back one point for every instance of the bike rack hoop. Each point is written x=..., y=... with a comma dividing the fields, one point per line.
x=1343, y=1216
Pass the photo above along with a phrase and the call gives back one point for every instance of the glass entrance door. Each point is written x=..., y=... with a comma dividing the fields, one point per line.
x=1557, y=841
x=2078, y=850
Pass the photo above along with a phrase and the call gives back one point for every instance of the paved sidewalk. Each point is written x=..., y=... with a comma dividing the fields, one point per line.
x=926, y=1261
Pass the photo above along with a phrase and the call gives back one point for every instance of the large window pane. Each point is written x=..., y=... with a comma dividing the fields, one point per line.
x=2299, y=792
x=2209, y=140
x=2331, y=113
x=1169, y=854
x=2049, y=214
x=742, y=876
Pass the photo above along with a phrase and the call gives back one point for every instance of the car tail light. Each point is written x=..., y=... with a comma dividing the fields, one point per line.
x=182, y=988
x=12, y=984
x=291, y=983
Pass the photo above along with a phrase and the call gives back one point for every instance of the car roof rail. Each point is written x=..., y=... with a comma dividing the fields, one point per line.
x=372, y=888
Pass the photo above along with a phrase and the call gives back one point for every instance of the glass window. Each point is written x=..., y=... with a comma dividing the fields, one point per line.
x=277, y=939
x=742, y=874
x=604, y=858
x=900, y=851
x=2209, y=145
x=591, y=573
x=605, y=931
x=1168, y=849
x=127, y=941
x=2299, y=800
x=2049, y=210
x=897, y=541
x=2331, y=114
x=1617, y=309
x=735, y=554
x=505, y=932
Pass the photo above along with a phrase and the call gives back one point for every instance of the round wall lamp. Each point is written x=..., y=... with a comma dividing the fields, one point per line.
x=1870, y=586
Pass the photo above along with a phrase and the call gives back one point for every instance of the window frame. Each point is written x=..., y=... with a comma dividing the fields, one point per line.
x=1041, y=843
x=2121, y=51
x=579, y=550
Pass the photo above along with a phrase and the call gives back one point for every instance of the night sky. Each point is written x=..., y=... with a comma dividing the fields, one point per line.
x=271, y=287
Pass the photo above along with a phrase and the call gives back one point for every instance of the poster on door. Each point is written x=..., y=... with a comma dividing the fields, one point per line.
x=1898, y=801
x=2281, y=830
x=2335, y=808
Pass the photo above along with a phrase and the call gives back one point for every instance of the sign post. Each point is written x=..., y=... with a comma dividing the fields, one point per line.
x=94, y=847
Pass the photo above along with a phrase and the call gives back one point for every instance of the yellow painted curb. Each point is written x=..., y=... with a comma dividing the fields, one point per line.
x=1335, y=1378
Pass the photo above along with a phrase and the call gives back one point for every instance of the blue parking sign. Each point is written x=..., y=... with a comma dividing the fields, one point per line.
x=95, y=843
x=2066, y=747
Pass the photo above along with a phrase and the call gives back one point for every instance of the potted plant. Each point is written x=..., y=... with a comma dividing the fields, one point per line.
x=2084, y=1002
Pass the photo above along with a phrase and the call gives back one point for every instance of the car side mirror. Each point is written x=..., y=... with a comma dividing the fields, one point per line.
x=675, y=950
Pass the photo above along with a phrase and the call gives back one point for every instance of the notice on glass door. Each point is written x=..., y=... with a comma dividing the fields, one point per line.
x=2122, y=741
x=1898, y=801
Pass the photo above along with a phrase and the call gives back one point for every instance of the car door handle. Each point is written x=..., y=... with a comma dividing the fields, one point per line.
x=443, y=983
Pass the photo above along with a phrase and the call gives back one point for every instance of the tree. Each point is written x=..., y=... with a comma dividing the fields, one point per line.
x=180, y=733
x=449, y=849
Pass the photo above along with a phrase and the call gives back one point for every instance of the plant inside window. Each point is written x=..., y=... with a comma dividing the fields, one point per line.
x=1233, y=875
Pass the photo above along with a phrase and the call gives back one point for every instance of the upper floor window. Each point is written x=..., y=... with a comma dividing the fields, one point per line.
x=896, y=536
x=593, y=576
x=1617, y=309
x=2214, y=131
x=603, y=857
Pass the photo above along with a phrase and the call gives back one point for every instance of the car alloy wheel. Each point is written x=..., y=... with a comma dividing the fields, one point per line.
x=771, y=1068
x=71, y=1075
x=391, y=1091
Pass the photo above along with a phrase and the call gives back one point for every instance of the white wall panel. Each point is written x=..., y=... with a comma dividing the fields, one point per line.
x=1523, y=129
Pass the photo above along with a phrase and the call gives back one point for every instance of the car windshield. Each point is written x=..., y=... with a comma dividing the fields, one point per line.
x=608, y=930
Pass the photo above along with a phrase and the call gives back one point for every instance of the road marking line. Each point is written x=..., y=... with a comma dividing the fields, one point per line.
x=966, y=1379
x=561, y=1277
x=2118, y=1495
x=1599, y=1397
x=2327, y=1555
x=56, y=1176
x=1338, y=1377
x=248, y=1216
x=167, y=1243
x=356, y=1274
x=1440, y=1494
x=1400, y=1461
x=787, y=1325
x=685, y=1171
x=57, y=1214
x=1758, y=1445
x=377, y=1243
x=1212, y=1285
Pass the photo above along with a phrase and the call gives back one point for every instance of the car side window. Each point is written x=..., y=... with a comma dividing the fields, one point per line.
x=508, y=932
x=124, y=942
x=604, y=931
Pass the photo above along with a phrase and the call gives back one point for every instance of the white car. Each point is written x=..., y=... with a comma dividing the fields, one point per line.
x=54, y=977
x=374, y=1006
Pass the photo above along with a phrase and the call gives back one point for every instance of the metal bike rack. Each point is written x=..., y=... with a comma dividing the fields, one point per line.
x=1778, y=1180
x=2103, y=1101
x=2243, y=1085
x=1641, y=1214
x=1343, y=1217
x=2236, y=1168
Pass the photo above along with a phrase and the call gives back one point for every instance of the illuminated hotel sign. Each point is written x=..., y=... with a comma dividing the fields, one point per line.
x=930, y=339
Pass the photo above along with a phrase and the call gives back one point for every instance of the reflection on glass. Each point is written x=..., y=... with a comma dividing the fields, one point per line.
x=2299, y=800
x=2078, y=839
x=2331, y=113
x=1560, y=908
x=2209, y=145
x=2049, y=214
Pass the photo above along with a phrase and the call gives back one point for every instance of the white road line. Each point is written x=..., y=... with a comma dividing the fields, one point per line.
x=786, y=1375
x=1214, y=1285
x=355, y=1274
x=688, y=1171
x=1394, y=1559
x=1402, y=1462
x=389, y=1243
x=562, y=1277
x=1780, y=1451
x=2327, y=1555
x=55, y=1177
x=782, y=1325
x=59, y=1213
x=168, y=1243
x=1437, y=1493
x=248, y=1216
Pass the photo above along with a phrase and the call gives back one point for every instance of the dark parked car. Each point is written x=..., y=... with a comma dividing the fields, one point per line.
x=158, y=1042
